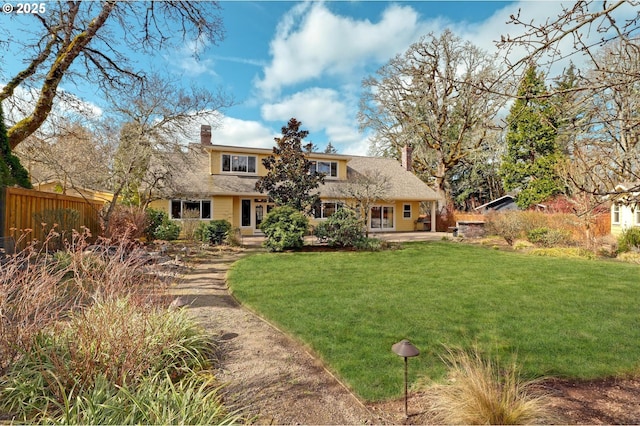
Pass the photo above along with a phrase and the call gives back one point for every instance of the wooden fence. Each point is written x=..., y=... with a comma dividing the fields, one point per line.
x=22, y=210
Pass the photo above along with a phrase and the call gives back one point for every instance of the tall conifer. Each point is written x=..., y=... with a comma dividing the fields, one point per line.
x=530, y=163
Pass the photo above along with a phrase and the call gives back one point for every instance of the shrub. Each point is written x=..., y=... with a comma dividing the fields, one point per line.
x=160, y=227
x=375, y=244
x=284, y=228
x=234, y=237
x=214, y=232
x=116, y=363
x=342, y=229
x=481, y=392
x=168, y=231
x=548, y=237
x=629, y=240
x=629, y=257
x=507, y=225
x=127, y=222
x=564, y=252
x=155, y=218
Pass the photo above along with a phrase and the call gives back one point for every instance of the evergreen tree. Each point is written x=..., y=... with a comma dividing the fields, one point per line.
x=530, y=163
x=330, y=149
x=288, y=180
x=567, y=107
x=11, y=171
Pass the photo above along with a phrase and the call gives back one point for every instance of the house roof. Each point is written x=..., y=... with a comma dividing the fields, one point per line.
x=403, y=185
x=505, y=199
x=197, y=182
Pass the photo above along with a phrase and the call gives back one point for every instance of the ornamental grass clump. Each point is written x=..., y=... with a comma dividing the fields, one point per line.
x=114, y=356
x=479, y=391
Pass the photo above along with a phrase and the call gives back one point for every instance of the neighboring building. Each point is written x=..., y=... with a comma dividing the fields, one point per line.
x=220, y=184
x=625, y=209
x=57, y=187
x=504, y=203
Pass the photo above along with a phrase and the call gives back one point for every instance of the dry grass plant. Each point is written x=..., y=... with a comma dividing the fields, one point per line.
x=190, y=222
x=37, y=288
x=479, y=391
x=118, y=363
x=128, y=222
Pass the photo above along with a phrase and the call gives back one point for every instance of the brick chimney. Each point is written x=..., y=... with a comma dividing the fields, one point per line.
x=205, y=134
x=406, y=157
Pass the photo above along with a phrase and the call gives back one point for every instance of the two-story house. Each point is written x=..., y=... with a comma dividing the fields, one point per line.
x=220, y=184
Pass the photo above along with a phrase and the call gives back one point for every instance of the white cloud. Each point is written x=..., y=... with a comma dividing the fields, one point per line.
x=321, y=110
x=236, y=132
x=312, y=41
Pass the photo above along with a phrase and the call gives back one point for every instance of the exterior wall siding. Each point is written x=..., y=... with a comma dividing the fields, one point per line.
x=407, y=224
x=626, y=219
x=160, y=205
x=223, y=209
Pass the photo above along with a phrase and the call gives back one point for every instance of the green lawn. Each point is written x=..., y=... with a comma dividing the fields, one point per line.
x=562, y=317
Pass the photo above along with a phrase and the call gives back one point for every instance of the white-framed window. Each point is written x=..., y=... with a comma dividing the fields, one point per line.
x=191, y=209
x=406, y=211
x=381, y=217
x=324, y=209
x=233, y=163
x=329, y=168
x=615, y=213
x=636, y=215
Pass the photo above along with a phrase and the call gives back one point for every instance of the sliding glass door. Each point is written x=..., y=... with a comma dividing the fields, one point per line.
x=381, y=218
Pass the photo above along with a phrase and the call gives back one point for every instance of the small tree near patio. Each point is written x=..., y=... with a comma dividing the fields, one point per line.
x=365, y=190
x=288, y=181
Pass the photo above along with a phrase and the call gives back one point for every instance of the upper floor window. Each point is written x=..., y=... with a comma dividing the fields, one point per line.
x=329, y=168
x=238, y=163
x=190, y=209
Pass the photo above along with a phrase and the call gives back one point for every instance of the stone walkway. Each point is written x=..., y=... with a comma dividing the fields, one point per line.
x=275, y=377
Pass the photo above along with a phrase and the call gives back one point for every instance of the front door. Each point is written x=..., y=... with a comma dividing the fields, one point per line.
x=261, y=208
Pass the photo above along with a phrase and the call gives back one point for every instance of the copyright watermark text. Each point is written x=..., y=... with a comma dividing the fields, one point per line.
x=24, y=8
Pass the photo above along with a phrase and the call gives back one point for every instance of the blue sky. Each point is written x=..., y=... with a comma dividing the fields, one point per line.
x=307, y=59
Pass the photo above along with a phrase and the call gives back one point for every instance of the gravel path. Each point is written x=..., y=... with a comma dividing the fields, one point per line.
x=273, y=376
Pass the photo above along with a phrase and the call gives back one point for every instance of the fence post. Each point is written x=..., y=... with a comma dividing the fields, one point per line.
x=3, y=200
x=3, y=219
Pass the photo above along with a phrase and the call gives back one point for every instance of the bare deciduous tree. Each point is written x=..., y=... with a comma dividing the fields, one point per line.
x=89, y=41
x=429, y=99
x=73, y=155
x=155, y=124
x=363, y=190
x=138, y=150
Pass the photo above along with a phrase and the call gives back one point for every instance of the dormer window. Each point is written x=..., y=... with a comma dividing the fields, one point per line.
x=238, y=163
x=329, y=168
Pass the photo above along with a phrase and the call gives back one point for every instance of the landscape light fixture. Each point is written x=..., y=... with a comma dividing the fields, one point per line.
x=405, y=349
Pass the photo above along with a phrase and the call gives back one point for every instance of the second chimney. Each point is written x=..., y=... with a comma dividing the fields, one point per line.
x=205, y=134
x=407, y=151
